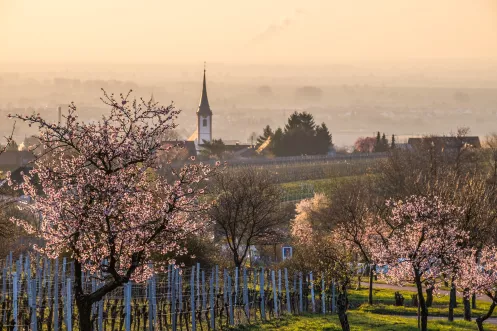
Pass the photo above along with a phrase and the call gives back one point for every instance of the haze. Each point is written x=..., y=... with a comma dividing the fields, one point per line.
x=399, y=66
x=258, y=31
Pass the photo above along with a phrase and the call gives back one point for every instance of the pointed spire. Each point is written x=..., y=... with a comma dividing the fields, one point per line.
x=204, y=108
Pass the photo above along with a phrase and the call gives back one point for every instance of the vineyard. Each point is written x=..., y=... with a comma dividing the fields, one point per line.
x=37, y=294
x=316, y=168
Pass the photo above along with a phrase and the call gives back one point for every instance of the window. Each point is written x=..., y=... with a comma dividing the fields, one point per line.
x=204, y=122
x=287, y=252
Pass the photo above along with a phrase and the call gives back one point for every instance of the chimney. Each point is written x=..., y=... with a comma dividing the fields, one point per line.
x=59, y=111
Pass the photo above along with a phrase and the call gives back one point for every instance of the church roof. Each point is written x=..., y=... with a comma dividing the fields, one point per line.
x=203, y=108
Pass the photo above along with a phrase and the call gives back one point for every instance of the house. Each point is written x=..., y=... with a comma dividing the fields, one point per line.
x=444, y=143
x=10, y=160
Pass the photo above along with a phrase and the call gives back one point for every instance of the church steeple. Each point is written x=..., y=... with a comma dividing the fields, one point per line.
x=204, y=116
x=204, y=108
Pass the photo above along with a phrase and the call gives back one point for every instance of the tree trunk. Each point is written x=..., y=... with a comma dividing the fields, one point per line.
x=452, y=302
x=429, y=296
x=342, y=307
x=467, y=306
x=482, y=318
x=473, y=301
x=84, y=310
x=371, y=276
x=358, y=282
x=421, y=302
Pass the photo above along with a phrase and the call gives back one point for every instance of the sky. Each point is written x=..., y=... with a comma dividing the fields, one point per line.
x=255, y=31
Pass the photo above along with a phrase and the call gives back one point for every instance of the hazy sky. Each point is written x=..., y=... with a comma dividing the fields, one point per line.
x=254, y=31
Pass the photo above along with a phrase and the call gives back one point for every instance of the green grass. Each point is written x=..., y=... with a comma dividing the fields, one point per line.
x=359, y=321
x=324, y=185
x=383, y=300
x=382, y=315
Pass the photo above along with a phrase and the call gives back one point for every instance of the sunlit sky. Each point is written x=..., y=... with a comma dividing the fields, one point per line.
x=255, y=31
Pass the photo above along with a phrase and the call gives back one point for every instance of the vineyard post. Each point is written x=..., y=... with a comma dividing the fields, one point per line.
x=14, y=298
x=311, y=280
x=68, y=305
x=168, y=286
x=275, y=298
x=198, y=288
x=245, y=294
x=280, y=295
x=217, y=280
x=236, y=285
x=180, y=293
x=323, y=295
x=211, y=293
x=56, y=296
x=261, y=289
x=301, y=302
x=287, y=291
x=150, y=306
x=333, y=297
x=174, y=277
x=204, y=293
x=101, y=313
x=225, y=276
x=192, y=297
x=32, y=305
x=4, y=283
x=127, y=305
x=230, y=301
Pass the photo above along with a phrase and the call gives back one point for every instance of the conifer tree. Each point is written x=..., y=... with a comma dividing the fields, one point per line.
x=267, y=132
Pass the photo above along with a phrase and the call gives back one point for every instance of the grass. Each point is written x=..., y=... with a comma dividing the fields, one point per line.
x=359, y=321
x=384, y=304
x=324, y=185
x=382, y=315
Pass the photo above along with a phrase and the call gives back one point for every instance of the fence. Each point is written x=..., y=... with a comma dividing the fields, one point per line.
x=37, y=294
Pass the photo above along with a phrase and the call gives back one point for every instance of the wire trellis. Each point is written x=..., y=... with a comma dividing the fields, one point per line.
x=37, y=294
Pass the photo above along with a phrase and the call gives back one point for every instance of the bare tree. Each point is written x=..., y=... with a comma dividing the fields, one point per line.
x=491, y=145
x=247, y=210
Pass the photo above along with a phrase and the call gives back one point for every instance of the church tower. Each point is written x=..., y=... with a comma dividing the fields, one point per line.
x=204, y=117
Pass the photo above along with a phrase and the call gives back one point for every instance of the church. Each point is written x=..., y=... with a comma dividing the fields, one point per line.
x=204, y=119
x=203, y=132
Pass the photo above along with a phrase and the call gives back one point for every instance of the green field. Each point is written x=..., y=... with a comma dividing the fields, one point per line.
x=382, y=315
x=359, y=321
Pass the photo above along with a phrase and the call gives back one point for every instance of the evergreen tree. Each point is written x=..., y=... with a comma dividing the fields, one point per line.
x=323, y=139
x=300, y=136
x=304, y=121
x=377, y=145
x=276, y=145
x=384, y=143
x=266, y=133
x=216, y=147
x=392, y=144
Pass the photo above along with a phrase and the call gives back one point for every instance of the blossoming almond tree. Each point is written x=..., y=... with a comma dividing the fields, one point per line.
x=424, y=245
x=480, y=277
x=102, y=199
x=318, y=249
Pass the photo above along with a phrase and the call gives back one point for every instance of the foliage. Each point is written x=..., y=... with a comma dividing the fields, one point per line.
x=478, y=275
x=215, y=148
x=247, y=210
x=423, y=247
x=99, y=200
x=365, y=144
x=300, y=136
x=266, y=134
